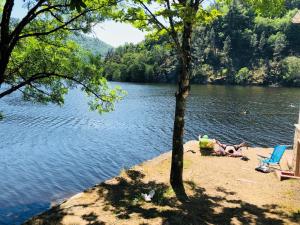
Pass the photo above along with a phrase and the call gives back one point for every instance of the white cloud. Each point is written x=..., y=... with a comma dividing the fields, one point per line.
x=117, y=34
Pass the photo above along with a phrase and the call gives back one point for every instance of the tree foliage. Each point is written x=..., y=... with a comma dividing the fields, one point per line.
x=240, y=38
x=291, y=67
x=38, y=59
x=55, y=65
x=268, y=8
x=147, y=62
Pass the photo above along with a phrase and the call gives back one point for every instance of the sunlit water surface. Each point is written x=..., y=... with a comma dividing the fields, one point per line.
x=48, y=152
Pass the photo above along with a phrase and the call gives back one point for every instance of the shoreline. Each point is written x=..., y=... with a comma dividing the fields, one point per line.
x=211, y=84
x=119, y=199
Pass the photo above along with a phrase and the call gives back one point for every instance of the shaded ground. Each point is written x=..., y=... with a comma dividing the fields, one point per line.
x=222, y=190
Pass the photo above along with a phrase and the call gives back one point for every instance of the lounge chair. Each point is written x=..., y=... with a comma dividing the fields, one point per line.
x=275, y=157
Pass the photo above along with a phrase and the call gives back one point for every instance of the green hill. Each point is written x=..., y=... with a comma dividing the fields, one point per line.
x=239, y=47
x=92, y=44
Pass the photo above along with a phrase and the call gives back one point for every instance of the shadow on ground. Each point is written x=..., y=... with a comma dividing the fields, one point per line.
x=123, y=199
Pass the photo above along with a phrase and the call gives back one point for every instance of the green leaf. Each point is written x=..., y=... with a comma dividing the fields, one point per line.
x=77, y=4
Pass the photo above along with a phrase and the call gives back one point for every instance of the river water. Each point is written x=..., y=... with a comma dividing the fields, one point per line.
x=48, y=152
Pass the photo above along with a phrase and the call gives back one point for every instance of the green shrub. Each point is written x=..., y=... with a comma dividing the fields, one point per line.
x=291, y=68
x=243, y=76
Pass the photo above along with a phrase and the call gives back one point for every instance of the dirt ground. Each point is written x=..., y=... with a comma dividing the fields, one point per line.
x=221, y=190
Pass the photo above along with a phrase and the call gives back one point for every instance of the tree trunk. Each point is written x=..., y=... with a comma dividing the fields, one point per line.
x=5, y=51
x=181, y=95
x=4, y=59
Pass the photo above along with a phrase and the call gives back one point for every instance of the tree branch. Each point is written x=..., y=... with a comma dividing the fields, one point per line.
x=22, y=84
x=39, y=90
x=27, y=19
x=153, y=16
x=174, y=34
x=55, y=29
x=80, y=83
x=6, y=14
x=39, y=76
x=65, y=23
x=56, y=17
x=32, y=15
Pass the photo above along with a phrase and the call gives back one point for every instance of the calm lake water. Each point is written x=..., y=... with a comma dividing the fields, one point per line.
x=48, y=152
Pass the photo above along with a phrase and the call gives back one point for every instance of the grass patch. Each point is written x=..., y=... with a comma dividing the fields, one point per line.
x=186, y=164
x=169, y=192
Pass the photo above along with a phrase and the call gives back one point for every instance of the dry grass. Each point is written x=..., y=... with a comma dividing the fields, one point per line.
x=222, y=190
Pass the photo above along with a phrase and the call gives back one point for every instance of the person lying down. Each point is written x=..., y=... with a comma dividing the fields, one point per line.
x=219, y=149
x=230, y=150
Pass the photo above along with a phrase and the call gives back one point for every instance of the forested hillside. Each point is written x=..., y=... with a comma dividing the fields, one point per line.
x=239, y=47
x=92, y=44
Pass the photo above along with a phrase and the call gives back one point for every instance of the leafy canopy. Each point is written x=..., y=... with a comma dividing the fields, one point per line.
x=61, y=64
x=44, y=63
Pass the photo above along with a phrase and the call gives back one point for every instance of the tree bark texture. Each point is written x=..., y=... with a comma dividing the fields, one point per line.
x=181, y=96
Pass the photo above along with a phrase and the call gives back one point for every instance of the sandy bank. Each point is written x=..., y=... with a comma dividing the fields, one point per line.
x=222, y=190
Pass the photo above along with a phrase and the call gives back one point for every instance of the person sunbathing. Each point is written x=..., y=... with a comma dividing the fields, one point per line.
x=231, y=150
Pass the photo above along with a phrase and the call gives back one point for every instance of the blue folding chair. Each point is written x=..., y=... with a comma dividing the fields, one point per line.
x=276, y=156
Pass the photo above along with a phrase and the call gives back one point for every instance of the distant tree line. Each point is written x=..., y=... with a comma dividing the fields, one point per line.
x=240, y=47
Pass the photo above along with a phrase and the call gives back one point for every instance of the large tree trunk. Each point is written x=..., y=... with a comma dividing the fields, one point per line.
x=4, y=59
x=181, y=96
x=5, y=50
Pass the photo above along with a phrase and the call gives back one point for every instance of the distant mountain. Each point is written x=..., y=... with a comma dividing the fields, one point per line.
x=92, y=44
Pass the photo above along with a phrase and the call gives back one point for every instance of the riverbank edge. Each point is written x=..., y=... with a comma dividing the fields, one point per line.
x=275, y=85
x=156, y=160
x=59, y=202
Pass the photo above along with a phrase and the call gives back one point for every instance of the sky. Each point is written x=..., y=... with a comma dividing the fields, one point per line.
x=18, y=11
x=111, y=32
x=117, y=34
